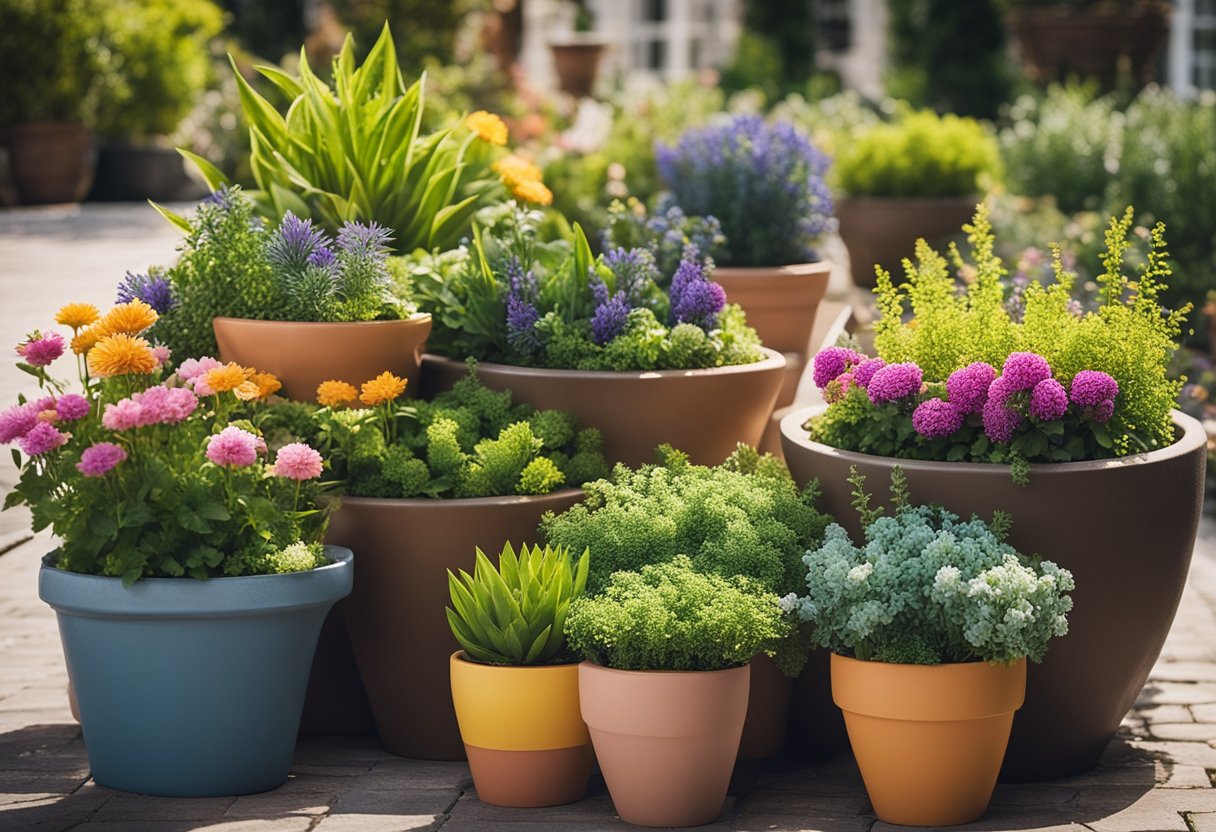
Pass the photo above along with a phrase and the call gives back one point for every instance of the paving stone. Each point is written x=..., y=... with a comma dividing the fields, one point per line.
x=280, y=803
x=1204, y=713
x=759, y=822
x=1186, y=753
x=1152, y=714
x=595, y=808
x=1173, y=776
x=1184, y=731
x=146, y=807
x=1184, y=671
x=1155, y=811
x=1202, y=821
x=994, y=822
x=412, y=802
x=377, y=823
x=1178, y=693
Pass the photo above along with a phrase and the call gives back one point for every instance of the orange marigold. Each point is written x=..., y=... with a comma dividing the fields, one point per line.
x=230, y=376
x=268, y=384
x=121, y=354
x=488, y=127
x=515, y=170
x=534, y=192
x=383, y=388
x=336, y=393
x=77, y=315
x=84, y=340
x=129, y=318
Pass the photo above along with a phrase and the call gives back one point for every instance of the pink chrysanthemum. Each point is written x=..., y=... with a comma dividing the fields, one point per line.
x=1048, y=400
x=1000, y=421
x=1023, y=370
x=162, y=354
x=16, y=421
x=42, y=437
x=98, y=460
x=968, y=387
x=865, y=371
x=830, y=363
x=1092, y=387
x=894, y=381
x=297, y=461
x=232, y=447
x=72, y=406
x=166, y=405
x=41, y=350
x=193, y=367
x=123, y=415
x=936, y=417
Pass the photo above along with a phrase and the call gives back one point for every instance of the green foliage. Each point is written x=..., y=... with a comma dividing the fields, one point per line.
x=298, y=557
x=51, y=67
x=516, y=614
x=930, y=588
x=671, y=616
x=424, y=31
x=920, y=154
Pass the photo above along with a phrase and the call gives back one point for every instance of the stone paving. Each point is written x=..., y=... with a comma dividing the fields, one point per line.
x=1159, y=775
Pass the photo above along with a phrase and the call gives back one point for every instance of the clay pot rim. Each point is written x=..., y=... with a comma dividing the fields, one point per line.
x=772, y=360
x=1192, y=438
x=458, y=656
x=698, y=673
x=415, y=318
x=910, y=201
x=872, y=662
x=804, y=269
x=453, y=503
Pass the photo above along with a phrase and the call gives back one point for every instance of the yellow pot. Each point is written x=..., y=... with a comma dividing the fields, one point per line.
x=523, y=733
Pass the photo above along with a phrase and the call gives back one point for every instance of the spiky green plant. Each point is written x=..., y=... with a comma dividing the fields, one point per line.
x=516, y=614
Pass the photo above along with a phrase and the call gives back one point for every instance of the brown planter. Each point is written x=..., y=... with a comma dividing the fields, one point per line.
x=398, y=630
x=928, y=738
x=704, y=413
x=780, y=302
x=1124, y=527
x=51, y=162
x=303, y=355
x=768, y=711
x=577, y=65
x=666, y=741
x=135, y=173
x=1058, y=42
x=882, y=231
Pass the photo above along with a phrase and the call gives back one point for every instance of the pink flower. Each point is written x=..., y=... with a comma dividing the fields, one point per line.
x=72, y=406
x=40, y=350
x=968, y=386
x=41, y=438
x=17, y=421
x=166, y=405
x=123, y=415
x=1103, y=411
x=97, y=460
x=838, y=387
x=865, y=371
x=232, y=447
x=1048, y=401
x=194, y=367
x=1092, y=387
x=1023, y=370
x=830, y=363
x=297, y=461
x=162, y=354
x=935, y=417
x=1000, y=421
x=894, y=381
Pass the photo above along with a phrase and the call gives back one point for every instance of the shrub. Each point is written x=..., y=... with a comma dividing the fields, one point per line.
x=49, y=60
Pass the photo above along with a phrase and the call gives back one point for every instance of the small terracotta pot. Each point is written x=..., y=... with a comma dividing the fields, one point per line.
x=768, y=711
x=882, y=230
x=704, y=413
x=929, y=739
x=525, y=737
x=303, y=355
x=577, y=65
x=666, y=741
x=51, y=161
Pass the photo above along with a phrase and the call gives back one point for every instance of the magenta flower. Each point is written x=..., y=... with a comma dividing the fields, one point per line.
x=1000, y=421
x=865, y=371
x=123, y=415
x=40, y=350
x=1048, y=401
x=42, y=437
x=72, y=406
x=1023, y=370
x=838, y=387
x=194, y=367
x=98, y=460
x=16, y=421
x=830, y=363
x=999, y=390
x=936, y=417
x=297, y=462
x=968, y=387
x=232, y=447
x=1092, y=387
x=166, y=405
x=1103, y=411
x=162, y=354
x=894, y=381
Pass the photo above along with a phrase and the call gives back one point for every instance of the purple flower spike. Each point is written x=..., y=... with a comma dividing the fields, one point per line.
x=1092, y=387
x=895, y=381
x=365, y=240
x=610, y=318
x=694, y=298
x=831, y=362
x=1023, y=370
x=155, y=291
x=293, y=242
x=935, y=418
x=1048, y=401
x=968, y=387
x=521, y=319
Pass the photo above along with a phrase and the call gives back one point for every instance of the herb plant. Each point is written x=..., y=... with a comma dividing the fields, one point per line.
x=515, y=614
x=929, y=588
x=666, y=233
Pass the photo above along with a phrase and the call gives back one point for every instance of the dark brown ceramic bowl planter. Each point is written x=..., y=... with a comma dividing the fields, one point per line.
x=1124, y=527
x=523, y=732
x=666, y=741
x=704, y=413
x=882, y=230
x=1058, y=42
x=577, y=64
x=302, y=355
x=51, y=162
x=398, y=630
x=780, y=302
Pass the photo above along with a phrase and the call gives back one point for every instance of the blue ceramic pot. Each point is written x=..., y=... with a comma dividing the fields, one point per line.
x=192, y=688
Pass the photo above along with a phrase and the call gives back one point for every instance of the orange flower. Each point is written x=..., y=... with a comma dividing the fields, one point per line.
x=120, y=355
x=129, y=318
x=230, y=376
x=488, y=127
x=77, y=315
x=534, y=192
x=268, y=384
x=515, y=170
x=383, y=388
x=84, y=340
x=336, y=393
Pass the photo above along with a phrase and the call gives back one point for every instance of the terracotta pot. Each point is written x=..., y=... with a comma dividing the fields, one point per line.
x=303, y=355
x=577, y=65
x=524, y=735
x=704, y=413
x=882, y=231
x=1091, y=43
x=768, y=711
x=929, y=739
x=51, y=161
x=398, y=630
x=666, y=741
x=1097, y=519
x=780, y=302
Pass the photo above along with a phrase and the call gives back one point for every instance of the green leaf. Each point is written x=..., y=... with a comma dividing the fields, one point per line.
x=214, y=177
x=177, y=220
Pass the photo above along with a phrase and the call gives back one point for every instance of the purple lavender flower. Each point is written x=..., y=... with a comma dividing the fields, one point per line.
x=523, y=284
x=832, y=362
x=368, y=240
x=694, y=298
x=968, y=387
x=221, y=198
x=154, y=290
x=521, y=321
x=894, y=381
x=635, y=272
x=293, y=242
x=935, y=417
x=610, y=318
x=1000, y=421
x=1048, y=400
x=865, y=371
x=1023, y=370
x=323, y=257
x=1092, y=387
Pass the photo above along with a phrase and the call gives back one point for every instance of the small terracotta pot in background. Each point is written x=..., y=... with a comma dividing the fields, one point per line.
x=524, y=735
x=929, y=739
x=303, y=355
x=883, y=230
x=51, y=162
x=666, y=741
x=577, y=64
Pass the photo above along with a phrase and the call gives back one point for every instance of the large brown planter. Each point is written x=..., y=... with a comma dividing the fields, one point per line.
x=303, y=355
x=51, y=162
x=780, y=302
x=1091, y=43
x=135, y=173
x=577, y=65
x=768, y=711
x=1124, y=527
x=882, y=230
x=704, y=413
x=666, y=741
x=398, y=630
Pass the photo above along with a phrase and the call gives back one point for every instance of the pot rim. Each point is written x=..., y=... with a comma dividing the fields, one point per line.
x=590, y=665
x=1193, y=437
x=458, y=656
x=415, y=318
x=804, y=268
x=453, y=503
x=870, y=662
x=772, y=360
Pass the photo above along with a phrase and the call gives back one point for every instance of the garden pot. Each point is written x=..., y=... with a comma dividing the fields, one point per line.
x=780, y=302
x=704, y=413
x=523, y=733
x=395, y=614
x=302, y=355
x=1091, y=43
x=928, y=739
x=577, y=65
x=135, y=173
x=666, y=741
x=768, y=711
x=51, y=161
x=882, y=231
x=192, y=688
x=1124, y=527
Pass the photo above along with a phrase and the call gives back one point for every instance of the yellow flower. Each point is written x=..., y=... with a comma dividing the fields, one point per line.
x=120, y=355
x=535, y=192
x=228, y=377
x=383, y=388
x=84, y=340
x=77, y=315
x=129, y=318
x=336, y=393
x=488, y=127
x=515, y=170
x=268, y=384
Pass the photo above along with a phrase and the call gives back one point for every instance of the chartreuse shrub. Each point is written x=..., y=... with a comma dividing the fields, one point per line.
x=516, y=614
x=927, y=587
x=672, y=616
